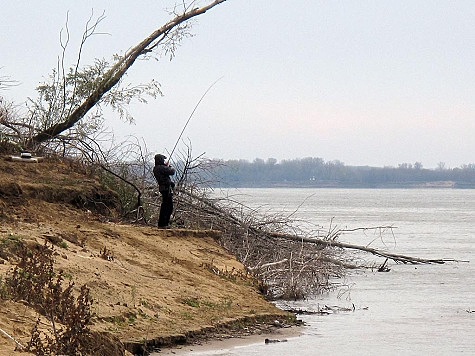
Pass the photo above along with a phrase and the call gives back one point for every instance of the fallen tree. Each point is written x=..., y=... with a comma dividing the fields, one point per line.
x=291, y=262
x=290, y=265
x=392, y=256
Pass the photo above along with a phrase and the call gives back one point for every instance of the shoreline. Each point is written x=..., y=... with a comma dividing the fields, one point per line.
x=232, y=342
x=270, y=326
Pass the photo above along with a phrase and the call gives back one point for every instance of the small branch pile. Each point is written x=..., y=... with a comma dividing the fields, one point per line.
x=289, y=269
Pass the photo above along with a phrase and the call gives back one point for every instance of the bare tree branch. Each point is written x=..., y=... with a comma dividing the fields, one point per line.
x=376, y=252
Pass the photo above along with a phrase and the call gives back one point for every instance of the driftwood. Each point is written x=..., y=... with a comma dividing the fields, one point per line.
x=325, y=310
x=288, y=269
x=222, y=213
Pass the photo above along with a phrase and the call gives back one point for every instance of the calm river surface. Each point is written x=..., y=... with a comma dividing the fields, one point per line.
x=411, y=310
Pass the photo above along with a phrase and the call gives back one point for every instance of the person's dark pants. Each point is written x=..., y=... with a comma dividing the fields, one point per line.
x=166, y=208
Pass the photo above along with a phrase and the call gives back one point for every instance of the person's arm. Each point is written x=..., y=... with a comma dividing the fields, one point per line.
x=170, y=170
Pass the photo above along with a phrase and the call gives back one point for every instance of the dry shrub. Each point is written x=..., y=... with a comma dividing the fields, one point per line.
x=7, y=147
x=10, y=189
x=10, y=246
x=35, y=282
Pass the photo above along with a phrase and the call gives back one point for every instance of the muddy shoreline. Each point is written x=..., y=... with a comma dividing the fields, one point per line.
x=243, y=331
x=231, y=340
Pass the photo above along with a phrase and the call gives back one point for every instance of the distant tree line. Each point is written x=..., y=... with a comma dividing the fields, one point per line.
x=315, y=172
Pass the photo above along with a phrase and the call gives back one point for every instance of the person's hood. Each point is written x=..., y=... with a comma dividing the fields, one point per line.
x=160, y=159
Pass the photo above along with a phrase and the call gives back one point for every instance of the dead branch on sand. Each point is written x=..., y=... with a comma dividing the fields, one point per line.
x=20, y=346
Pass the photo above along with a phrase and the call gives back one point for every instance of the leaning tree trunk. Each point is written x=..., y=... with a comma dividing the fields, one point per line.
x=112, y=77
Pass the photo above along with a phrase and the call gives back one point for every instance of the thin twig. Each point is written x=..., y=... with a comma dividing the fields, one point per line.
x=11, y=338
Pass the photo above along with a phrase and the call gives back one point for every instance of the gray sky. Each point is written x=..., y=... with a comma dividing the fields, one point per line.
x=365, y=82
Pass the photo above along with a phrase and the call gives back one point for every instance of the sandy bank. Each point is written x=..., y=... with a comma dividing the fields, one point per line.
x=148, y=284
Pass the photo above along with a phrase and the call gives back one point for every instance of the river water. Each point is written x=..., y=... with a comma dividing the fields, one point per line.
x=411, y=310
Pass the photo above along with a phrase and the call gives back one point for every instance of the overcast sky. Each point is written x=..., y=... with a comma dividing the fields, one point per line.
x=376, y=83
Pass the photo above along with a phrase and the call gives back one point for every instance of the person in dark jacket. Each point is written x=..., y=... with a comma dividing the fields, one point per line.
x=162, y=172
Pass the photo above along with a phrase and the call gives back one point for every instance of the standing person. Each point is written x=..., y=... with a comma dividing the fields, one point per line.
x=162, y=172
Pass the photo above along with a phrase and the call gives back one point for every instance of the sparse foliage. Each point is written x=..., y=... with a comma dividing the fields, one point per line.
x=68, y=115
x=107, y=80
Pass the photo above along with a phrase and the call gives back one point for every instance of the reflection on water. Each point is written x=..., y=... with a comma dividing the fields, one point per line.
x=411, y=310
